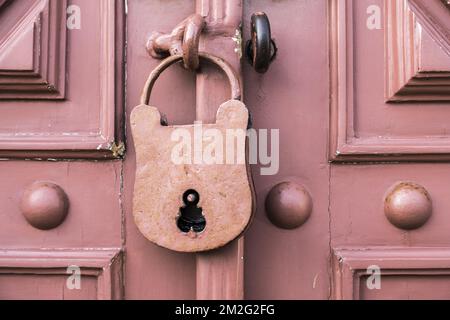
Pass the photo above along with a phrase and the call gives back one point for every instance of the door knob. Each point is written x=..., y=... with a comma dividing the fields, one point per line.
x=261, y=50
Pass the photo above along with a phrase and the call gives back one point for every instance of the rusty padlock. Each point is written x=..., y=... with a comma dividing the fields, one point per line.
x=181, y=203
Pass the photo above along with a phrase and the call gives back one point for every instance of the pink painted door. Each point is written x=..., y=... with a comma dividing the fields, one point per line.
x=352, y=191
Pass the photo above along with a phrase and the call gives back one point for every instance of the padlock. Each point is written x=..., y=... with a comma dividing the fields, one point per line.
x=181, y=203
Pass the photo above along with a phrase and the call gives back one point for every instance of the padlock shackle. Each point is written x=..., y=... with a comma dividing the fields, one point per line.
x=222, y=64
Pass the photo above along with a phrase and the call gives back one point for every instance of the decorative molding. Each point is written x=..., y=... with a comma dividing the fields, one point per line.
x=404, y=79
x=345, y=145
x=33, y=54
x=434, y=17
x=350, y=265
x=102, y=140
x=103, y=264
x=4, y=3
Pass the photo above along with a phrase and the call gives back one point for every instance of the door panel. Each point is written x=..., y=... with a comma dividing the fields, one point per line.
x=46, y=274
x=390, y=105
x=68, y=78
x=408, y=287
x=407, y=273
x=358, y=194
x=43, y=287
x=363, y=125
x=33, y=54
x=87, y=214
x=61, y=92
x=293, y=97
x=417, y=68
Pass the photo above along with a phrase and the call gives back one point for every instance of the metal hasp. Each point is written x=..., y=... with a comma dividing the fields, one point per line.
x=261, y=50
x=184, y=39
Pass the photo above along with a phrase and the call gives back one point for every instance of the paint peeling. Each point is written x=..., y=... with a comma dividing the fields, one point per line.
x=316, y=278
x=238, y=40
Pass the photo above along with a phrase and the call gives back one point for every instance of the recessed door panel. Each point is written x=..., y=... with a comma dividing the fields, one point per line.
x=61, y=78
x=390, y=82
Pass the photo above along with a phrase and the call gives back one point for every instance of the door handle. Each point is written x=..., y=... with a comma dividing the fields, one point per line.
x=261, y=50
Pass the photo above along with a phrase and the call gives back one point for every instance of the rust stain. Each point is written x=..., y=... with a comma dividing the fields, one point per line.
x=117, y=149
x=407, y=186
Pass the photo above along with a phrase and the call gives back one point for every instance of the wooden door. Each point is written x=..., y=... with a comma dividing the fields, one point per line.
x=354, y=108
x=389, y=105
x=61, y=100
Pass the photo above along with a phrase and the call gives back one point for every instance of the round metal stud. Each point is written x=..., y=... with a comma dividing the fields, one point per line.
x=407, y=205
x=288, y=205
x=44, y=205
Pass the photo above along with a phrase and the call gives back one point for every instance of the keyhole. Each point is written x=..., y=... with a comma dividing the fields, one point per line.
x=191, y=217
